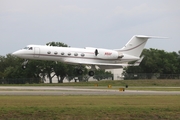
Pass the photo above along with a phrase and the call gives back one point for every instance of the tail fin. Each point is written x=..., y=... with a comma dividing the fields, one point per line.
x=135, y=45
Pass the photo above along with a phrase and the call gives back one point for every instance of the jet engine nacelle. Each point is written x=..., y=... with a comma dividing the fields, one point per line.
x=106, y=54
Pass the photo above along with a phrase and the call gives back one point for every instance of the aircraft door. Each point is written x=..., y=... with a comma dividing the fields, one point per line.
x=36, y=52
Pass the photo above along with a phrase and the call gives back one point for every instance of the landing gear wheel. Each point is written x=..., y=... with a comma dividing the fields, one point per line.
x=91, y=73
x=80, y=72
x=23, y=66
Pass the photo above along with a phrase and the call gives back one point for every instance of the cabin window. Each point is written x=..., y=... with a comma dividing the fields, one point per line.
x=62, y=53
x=69, y=53
x=82, y=54
x=49, y=52
x=30, y=48
x=26, y=47
x=55, y=52
x=75, y=54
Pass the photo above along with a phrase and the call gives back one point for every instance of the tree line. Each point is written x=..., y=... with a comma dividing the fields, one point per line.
x=157, y=62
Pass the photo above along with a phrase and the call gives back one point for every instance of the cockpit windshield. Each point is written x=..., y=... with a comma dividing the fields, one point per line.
x=28, y=48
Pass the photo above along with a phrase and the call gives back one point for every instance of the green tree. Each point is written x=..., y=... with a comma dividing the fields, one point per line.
x=101, y=74
x=157, y=61
x=59, y=44
x=11, y=71
x=61, y=71
x=47, y=69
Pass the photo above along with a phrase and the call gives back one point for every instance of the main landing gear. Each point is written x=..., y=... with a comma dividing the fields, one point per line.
x=91, y=73
x=79, y=71
x=24, y=64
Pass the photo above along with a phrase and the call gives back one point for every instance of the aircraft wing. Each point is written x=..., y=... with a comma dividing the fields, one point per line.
x=112, y=66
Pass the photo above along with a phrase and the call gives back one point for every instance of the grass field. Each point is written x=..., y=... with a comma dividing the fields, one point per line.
x=90, y=107
x=101, y=107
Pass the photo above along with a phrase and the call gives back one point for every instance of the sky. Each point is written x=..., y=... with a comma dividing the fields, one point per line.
x=88, y=23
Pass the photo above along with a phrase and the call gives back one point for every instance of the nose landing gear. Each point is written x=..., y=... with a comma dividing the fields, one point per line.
x=24, y=64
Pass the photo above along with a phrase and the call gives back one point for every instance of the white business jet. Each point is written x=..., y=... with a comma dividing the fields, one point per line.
x=103, y=58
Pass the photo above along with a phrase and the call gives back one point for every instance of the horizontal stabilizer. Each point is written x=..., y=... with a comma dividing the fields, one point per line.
x=149, y=37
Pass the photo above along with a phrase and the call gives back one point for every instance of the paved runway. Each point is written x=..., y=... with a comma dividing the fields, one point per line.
x=61, y=90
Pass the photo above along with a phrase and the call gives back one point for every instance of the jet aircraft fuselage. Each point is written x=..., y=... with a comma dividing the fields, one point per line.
x=103, y=58
x=74, y=55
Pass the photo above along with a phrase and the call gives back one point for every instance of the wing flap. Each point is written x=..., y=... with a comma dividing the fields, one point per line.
x=111, y=66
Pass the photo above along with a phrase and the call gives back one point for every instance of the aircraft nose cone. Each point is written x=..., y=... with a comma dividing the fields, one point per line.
x=16, y=53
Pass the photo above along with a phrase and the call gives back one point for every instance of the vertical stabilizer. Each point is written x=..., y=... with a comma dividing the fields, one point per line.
x=135, y=45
